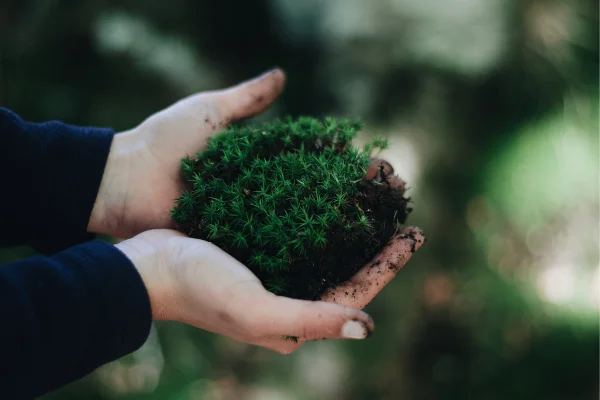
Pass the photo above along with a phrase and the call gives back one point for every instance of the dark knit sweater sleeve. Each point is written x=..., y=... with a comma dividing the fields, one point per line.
x=63, y=316
x=50, y=175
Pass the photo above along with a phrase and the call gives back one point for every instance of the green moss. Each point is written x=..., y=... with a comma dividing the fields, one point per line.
x=281, y=197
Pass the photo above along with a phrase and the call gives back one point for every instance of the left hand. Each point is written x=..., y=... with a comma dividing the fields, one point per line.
x=195, y=282
x=142, y=176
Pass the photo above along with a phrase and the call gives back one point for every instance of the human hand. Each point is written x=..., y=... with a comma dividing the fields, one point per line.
x=195, y=282
x=142, y=176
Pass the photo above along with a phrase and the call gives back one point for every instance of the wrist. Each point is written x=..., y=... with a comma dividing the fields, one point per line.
x=111, y=197
x=146, y=260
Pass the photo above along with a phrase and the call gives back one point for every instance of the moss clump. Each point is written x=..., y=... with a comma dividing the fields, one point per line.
x=290, y=200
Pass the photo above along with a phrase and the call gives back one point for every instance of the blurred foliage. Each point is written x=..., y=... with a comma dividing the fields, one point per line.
x=492, y=113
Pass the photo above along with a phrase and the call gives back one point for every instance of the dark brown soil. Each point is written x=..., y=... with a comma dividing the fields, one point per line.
x=382, y=200
x=386, y=207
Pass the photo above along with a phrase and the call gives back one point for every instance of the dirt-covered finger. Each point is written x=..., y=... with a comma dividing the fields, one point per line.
x=371, y=279
x=251, y=97
x=379, y=165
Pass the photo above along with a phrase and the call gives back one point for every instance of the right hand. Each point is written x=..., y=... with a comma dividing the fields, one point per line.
x=195, y=282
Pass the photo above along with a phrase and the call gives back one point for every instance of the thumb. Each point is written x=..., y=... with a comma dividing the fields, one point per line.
x=252, y=97
x=311, y=320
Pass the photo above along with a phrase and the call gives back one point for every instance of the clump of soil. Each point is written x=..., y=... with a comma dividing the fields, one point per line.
x=294, y=201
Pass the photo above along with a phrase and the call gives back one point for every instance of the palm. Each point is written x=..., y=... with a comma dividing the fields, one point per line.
x=161, y=142
x=142, y=181
x=215, y=292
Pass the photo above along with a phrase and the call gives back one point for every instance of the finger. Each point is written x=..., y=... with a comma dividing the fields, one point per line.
x=368, y=283
x=376, y=164
x=251, y=97
x=371, y=279
x=396, y=183
x=282, y=316
x=381, y=170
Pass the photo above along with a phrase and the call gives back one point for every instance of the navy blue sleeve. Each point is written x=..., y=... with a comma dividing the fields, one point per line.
x=63, y=316
x=50, y=175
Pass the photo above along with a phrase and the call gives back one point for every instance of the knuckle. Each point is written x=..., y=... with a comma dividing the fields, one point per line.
x=308, y=330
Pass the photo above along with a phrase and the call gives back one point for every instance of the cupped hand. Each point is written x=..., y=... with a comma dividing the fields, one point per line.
x=195, y=282
x=142, y=176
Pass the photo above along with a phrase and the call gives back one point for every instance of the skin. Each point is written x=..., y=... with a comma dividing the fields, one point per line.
x=195, y=282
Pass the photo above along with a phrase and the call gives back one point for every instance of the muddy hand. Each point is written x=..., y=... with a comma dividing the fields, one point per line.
x=195, y=282
x=142, y=174
x=363, y=287
x=371, y=279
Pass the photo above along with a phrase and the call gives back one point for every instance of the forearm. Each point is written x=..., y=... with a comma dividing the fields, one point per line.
x=63, y=316
x=50, y=175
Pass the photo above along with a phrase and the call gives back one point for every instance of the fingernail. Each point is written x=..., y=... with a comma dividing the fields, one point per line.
x=354, y=330
x=415, y=234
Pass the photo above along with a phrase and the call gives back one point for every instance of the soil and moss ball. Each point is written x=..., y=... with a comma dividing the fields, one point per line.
x=292, y=201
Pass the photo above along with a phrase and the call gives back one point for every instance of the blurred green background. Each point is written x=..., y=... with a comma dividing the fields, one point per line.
x=492, y=111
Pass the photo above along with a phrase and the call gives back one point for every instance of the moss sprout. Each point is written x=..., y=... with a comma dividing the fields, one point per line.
x=289, y=200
